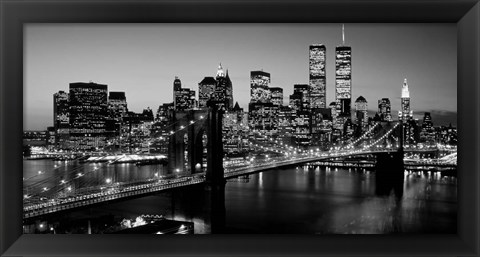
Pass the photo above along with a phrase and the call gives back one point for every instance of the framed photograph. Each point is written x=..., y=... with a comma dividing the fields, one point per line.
x=272, y=128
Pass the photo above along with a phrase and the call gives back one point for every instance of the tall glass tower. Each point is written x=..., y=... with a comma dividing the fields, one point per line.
x=343, y=82
x=317, y=76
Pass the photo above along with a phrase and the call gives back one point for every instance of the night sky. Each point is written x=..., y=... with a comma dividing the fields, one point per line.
x=143, y=60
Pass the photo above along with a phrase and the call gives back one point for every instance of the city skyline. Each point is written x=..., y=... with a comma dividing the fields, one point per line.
x=69, y=48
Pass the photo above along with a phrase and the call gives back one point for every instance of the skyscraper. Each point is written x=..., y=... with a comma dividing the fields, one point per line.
x=295, y=101
x=61, y=119
x=117, y=109
x=333, y=106
x=343, y=81
x=302, y=128
x=303, y=90
x=427, y=134
x=261, y=110
x=286, y=115
x=223, y=89
x=229, y=92
x=317, y=76
x=206, y=89
x=177, y=87
x=361, y=111
x=263, y=117
x=259, y=87
x=88, y=115
x=384, y=109
x=185, y=99
x=405, y=112
x=277, y=95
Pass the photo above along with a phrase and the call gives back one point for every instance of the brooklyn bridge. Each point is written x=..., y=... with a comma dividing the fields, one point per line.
x=189, y=163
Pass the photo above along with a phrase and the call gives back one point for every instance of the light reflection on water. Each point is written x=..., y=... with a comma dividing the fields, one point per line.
x=318, y=200
x=324, y=200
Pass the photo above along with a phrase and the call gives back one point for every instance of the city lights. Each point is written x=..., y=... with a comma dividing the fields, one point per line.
x=102, y=151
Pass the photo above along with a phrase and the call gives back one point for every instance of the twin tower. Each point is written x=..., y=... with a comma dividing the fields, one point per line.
x=343, y=79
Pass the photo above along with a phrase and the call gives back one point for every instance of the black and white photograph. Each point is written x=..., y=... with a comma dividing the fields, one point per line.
x=240, y=128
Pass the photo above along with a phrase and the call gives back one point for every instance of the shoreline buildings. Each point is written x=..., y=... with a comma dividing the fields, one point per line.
x=88, y=117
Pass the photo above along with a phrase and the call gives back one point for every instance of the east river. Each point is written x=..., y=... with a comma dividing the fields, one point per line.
x=298, y=200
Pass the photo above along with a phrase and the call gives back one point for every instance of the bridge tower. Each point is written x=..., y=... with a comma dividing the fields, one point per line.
x=389, y=168
x=185, y=147
x=215, y=172
x=214, y=207
x=186, y=152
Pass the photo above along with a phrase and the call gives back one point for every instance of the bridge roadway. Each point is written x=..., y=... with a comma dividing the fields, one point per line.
x=153, y=186
x=55, y=205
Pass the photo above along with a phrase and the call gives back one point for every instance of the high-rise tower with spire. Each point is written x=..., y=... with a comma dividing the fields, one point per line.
x=343, y=82
x=405, y=111
x=223, y=94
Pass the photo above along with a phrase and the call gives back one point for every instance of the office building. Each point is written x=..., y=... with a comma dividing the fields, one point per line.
x=206, y=89
x=61, y=119
x=317, y=76
x=117, y=110
x=277, y=95
x=88, y=115
x=259, y=87
x=343, y=82
x=384, y=110
x=223, y=93
x=427, y=133
x=361, y=111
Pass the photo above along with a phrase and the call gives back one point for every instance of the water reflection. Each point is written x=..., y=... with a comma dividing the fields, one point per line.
x=311, y=200
x=324, y=200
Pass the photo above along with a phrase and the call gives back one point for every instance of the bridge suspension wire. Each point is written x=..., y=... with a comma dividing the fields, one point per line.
x=383, y=137
x=361, y=137
x=275, y=140
x=173, y=132
x=50, y=179
x=55, y=167
x=56, y=185
x=59, y=182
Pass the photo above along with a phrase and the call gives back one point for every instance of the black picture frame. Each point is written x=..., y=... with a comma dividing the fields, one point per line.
x=465, y=13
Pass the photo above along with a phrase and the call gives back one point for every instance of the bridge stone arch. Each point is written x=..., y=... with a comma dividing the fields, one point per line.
x=198, y=154
x=207, y=122
x=183, y=152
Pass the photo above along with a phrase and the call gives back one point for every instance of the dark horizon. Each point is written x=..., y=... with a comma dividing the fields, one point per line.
x=140, y=61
